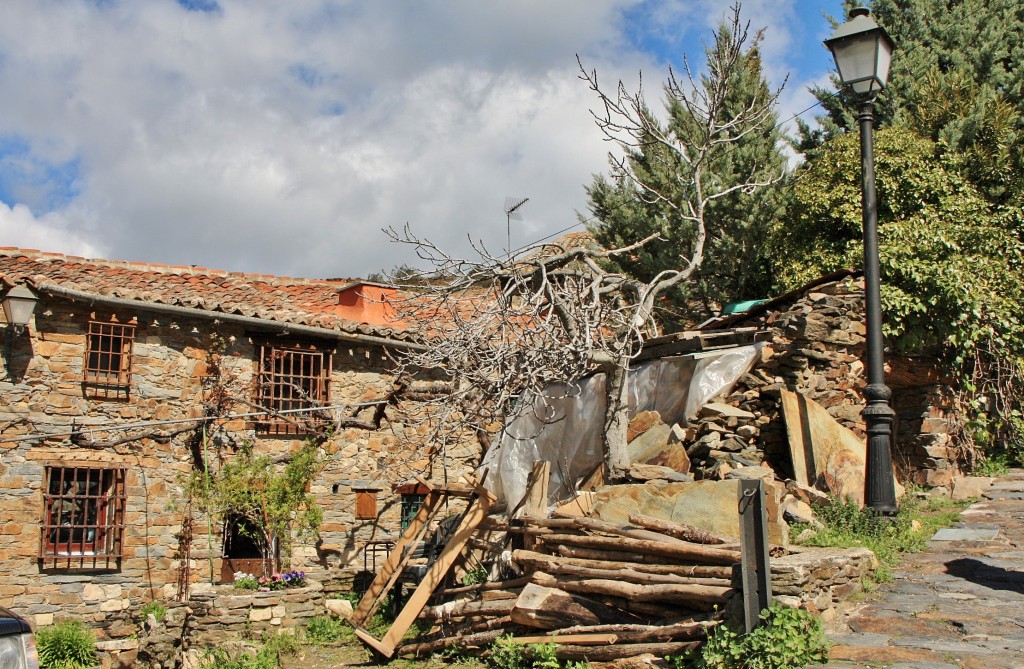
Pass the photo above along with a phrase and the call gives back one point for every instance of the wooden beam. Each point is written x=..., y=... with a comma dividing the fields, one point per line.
x=475, y=513
x=397, y=559
x=602, y=639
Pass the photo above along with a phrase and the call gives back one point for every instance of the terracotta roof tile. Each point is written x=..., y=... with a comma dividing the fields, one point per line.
x=277, y=298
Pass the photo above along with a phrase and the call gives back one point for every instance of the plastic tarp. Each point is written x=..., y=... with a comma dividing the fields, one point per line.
x=564, y=427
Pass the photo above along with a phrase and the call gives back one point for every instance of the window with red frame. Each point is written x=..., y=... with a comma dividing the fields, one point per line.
x=293, y=378
x=83, y=517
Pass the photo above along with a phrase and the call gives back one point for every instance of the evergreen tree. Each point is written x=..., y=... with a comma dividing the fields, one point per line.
x=952, y=268
x=737, y=223
x=956, y=79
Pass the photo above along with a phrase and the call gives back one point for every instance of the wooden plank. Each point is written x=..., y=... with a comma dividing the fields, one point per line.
x=679, y=530
x=475, y=513
x=571, y=556
x=368, y=639
x=551, y=608
x=397, y=559
x=535, y=502
x=702, y=597
x=604, y=527
x=619, y=650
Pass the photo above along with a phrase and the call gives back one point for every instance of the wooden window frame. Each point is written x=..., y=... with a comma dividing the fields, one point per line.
x=107, y=366
x=82, y=525
x=366, y=505
x=285, y=373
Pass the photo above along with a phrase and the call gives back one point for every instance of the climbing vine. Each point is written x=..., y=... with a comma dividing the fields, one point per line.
x=951, y=268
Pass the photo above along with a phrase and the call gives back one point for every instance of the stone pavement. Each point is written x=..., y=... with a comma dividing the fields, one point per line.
x=960, y=603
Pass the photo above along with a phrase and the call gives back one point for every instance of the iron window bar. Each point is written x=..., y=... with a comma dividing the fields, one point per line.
x=292, y=378
x=108, y=360
x=83, y=518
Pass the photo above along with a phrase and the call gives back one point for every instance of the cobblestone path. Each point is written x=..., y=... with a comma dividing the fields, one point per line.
x=960, y=603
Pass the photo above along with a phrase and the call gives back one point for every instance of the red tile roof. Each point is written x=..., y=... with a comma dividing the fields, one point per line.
x=312, y=302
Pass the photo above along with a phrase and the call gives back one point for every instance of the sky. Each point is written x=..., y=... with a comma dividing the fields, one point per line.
x=281, y=137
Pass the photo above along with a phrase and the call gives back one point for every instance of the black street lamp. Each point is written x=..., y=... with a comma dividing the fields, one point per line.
x=862, y=51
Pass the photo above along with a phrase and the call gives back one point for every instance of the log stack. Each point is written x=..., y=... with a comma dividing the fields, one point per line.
x=603, y=592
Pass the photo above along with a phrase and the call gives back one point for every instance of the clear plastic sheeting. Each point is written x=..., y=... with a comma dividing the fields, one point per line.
x=565, y=426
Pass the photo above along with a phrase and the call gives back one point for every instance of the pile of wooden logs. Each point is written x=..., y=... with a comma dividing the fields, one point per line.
x=601, y=591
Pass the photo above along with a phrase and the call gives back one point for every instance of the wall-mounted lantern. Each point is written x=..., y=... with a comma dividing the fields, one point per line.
x=18, y=304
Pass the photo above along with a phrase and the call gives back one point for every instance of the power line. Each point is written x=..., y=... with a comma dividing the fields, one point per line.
x=109, y=427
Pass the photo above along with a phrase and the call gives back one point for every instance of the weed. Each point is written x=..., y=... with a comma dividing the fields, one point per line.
x=993, y=465
x=157, y=609
x=846, y=525
x=323, y=629
x=268, y=656
x=474, y=576
x=545, y=655
x=507, y=654
x=66, y=645
x=785, y=638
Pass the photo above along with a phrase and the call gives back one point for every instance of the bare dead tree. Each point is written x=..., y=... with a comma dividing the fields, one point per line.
x=501, y=328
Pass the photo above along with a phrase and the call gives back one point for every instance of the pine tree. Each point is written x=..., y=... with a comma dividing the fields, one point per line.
x=956, y=79
x=735, y=269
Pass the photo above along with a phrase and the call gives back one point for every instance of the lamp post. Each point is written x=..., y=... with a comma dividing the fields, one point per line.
x=862, y=51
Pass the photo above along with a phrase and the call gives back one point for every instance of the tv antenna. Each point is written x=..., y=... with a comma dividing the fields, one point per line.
x=512, y=207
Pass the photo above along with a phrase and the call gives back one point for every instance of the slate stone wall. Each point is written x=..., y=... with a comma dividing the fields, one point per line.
x=816, y=349
x=42, y=392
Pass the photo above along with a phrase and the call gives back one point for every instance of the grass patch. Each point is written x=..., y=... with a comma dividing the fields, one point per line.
x=846, y=526
x=267, y=656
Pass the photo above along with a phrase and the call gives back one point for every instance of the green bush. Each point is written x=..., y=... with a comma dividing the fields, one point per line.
x=507, y=654
x=323, y=629
x=66, y=645
x=156, y=608
x=786, y=638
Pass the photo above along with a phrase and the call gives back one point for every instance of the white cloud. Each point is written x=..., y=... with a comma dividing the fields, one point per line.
x=280, y=137
x=52, y=232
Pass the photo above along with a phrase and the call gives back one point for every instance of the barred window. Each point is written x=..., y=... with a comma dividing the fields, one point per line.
x=83, y=517
x=108, y=359
x=411, y=503
x=290, y=379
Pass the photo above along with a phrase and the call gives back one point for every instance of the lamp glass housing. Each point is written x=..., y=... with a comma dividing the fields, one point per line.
x=19, y=303
x=862, y=51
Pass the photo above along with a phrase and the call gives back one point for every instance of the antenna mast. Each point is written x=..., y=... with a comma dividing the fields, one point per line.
x=512, y=206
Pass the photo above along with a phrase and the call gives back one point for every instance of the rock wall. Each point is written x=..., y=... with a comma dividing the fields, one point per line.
x=819, y=579
x=170, y=364
x=816, y=349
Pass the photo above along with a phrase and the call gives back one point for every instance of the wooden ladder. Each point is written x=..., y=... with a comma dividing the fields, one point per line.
x=480, y=500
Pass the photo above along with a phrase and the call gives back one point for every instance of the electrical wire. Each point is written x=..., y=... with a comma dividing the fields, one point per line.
x=176, y=421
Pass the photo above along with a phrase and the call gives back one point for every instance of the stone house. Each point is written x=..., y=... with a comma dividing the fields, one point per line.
x=129, y=374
